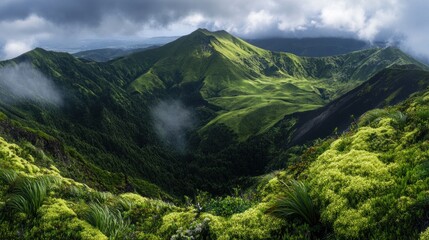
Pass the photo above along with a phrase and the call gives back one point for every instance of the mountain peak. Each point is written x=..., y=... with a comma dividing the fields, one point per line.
x=202, y=30
x=216, y=34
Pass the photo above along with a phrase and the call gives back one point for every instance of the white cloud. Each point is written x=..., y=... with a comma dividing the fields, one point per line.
x=258, y=21
x=20, y=35
x=14, y=48
x=23, y=82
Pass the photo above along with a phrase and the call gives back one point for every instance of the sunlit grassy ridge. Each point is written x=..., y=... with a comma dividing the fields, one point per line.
x=242, y=79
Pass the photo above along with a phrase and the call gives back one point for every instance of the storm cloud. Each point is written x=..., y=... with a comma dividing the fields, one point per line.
x=27, y=23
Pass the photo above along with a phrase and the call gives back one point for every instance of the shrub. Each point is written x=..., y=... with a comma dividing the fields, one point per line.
x=58, y=221
x=173, y=221
x=250, y=224
x=373, y=116
x=197, y=230
x=227, y=206
x=425, y=235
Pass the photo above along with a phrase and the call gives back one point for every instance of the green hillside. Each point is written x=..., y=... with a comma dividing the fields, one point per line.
x=250, y=84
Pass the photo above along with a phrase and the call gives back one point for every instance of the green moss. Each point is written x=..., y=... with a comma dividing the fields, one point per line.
x=57, y=220
x=227, y=206
x=251, y=224
x=171, y=222
x=424, y=235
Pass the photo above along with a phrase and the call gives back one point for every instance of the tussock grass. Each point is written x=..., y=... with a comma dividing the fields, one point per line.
x=110, y=222
x=28, y=194
x=8, y=176
x=295, y=202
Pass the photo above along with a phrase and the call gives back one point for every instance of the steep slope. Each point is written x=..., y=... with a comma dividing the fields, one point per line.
x=100, y=127
x=388, y=87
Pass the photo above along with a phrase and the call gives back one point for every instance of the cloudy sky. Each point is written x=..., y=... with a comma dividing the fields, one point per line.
x=25, y=24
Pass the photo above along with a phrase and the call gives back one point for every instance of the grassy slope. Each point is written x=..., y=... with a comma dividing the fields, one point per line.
x=245, y=81
x=388, y=87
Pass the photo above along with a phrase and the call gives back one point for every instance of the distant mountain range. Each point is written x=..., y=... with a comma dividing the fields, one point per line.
x=310, y=47
x=107, y=54
x=315, y=47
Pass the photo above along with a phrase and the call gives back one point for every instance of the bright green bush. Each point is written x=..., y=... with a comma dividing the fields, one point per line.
x=424, y=235
x=197, y=230
x=251, y=224
x=58, y=221
x=145, y=214
x=346, y=185
x=172, y=222
x=227, y=206
x=373, y=177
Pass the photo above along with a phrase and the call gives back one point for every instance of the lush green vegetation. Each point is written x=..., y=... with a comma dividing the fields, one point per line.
x=357, y=184
x=93, y=168
x=103, y=132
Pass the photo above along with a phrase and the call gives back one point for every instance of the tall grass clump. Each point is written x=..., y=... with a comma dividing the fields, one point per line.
x=295, y=202
x=108, y=221
x=28, y=194
x=8, y=176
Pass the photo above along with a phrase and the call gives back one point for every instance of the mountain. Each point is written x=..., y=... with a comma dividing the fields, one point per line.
x=91, y=150
x=107, y=54
x=233, y=90
x=245, y=81
x=314, y=47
